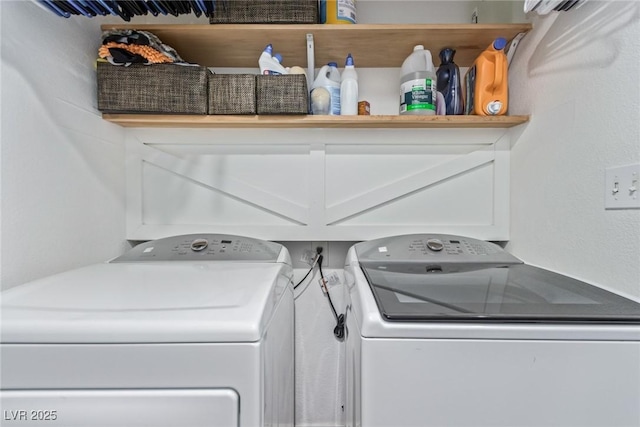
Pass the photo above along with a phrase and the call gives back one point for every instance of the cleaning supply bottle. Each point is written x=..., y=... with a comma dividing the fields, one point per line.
x=418, y=83
x=338, y=11
x=329, y=80
x=486, y=82
x=448, y=83
x=270, y=64
x=349, y=89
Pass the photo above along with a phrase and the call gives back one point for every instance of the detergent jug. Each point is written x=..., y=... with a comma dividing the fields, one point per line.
x=338, y=11
x=486, y=82
x=326, y=101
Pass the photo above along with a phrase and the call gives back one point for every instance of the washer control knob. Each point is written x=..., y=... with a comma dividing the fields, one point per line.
x=199, y=245
x=435, y=245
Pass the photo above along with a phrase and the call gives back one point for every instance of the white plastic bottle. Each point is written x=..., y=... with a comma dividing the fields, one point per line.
x=418, y=83
x=349, y=89
x=328, y=79
x=268, y=64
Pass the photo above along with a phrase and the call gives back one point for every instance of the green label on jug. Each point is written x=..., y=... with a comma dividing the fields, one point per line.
x=418, y=94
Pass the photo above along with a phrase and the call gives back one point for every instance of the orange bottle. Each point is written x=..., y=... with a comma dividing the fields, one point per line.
x=487, y=83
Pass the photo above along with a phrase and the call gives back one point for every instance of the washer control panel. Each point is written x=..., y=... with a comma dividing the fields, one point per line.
x=431, y=247
x=203, y=247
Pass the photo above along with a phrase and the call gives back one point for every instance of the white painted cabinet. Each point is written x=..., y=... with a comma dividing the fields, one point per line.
x=325, y=185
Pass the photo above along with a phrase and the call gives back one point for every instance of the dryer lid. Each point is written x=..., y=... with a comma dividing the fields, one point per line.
x=157, y=302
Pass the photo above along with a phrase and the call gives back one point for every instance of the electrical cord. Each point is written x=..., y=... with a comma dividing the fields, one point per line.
x=315, y=260
x=338, y=331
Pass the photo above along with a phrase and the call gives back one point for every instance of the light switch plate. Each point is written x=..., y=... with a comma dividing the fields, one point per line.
x=622, y=187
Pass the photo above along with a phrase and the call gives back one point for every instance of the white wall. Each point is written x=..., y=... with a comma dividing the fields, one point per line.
x=577, y=74
x=62, y=165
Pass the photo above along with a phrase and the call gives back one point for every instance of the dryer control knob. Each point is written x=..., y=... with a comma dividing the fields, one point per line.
x=199, y=245
x=435, y=245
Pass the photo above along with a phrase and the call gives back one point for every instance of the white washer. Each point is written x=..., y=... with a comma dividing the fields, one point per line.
x=186, y=331
x=450, y=331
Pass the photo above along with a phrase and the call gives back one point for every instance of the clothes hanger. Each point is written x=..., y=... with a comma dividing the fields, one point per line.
x=137, y=8
x=202, y=7
x=125, y=8
x=119, y=11
x=76, y=5
x=66, y=7
x=104, y=4
x=51, y=6
x=95, y=6
x=158, y=7
x=210, y=6
x=195, y=7
x=169, y=7
x=149, y=6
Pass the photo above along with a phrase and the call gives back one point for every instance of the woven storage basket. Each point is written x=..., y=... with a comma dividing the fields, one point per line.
x=265, y=12
x=286, y=94
x=157, y=88
x=232, y=94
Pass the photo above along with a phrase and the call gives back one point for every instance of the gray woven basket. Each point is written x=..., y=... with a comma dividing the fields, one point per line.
x=265, y=12
x=286, y=94
x=232, y=94
x=157, y=88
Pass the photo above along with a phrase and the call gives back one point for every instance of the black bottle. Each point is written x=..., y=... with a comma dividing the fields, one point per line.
x=448, y=82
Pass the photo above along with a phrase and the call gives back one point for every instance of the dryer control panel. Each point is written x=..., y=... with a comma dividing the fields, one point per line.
x=204, y=247
x=442, y=248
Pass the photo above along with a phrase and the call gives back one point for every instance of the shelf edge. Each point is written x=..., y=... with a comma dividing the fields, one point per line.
x=302, y=122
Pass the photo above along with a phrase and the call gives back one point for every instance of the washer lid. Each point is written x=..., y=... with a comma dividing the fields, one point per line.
x=155, y=302
x=464, y=292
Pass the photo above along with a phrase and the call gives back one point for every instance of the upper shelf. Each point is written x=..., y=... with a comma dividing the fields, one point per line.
x=293, y=121
x=372, y=45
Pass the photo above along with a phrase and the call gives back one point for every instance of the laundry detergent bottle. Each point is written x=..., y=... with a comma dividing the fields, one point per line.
x=271, y=64
x=486, y=82
x=448, y=83
x=349, y=89
x=338, y=11
x=418, y=83
x=327, y=100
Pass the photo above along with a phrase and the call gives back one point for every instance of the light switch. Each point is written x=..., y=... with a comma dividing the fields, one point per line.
x=622, y=187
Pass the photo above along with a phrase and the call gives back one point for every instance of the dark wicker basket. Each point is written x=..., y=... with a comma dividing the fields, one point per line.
x=232, y=94
x=265, y=12
x=157, y=88
x=286, y=94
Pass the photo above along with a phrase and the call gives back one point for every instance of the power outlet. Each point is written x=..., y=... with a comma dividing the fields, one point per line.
x=622, y=187
x=325, y=252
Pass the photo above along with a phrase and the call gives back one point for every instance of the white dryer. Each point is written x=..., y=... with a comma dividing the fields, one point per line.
x=187, y=331
x=450, y=331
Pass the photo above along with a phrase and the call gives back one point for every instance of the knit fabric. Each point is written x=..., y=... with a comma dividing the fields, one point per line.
x=125, y=47
x=151, y=55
